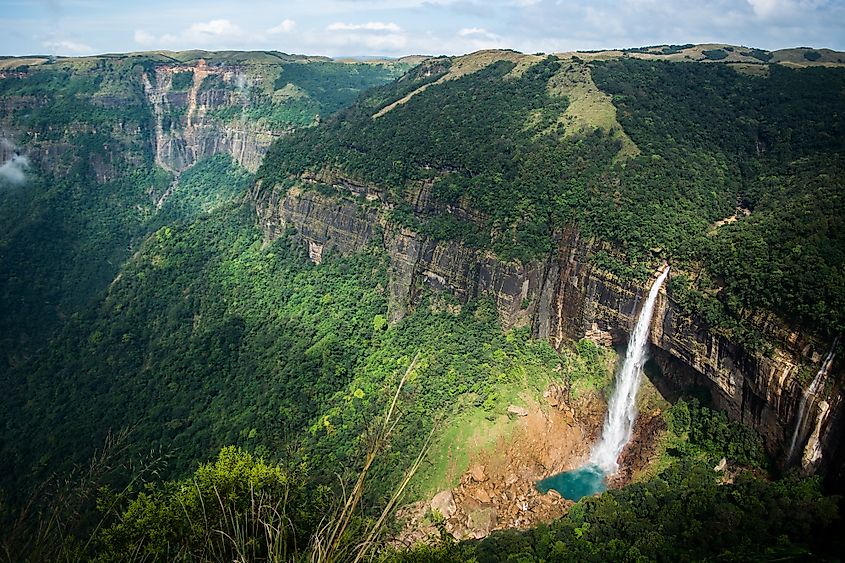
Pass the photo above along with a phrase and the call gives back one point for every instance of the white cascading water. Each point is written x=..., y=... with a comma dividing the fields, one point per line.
x=622, y=409
x=806, y=397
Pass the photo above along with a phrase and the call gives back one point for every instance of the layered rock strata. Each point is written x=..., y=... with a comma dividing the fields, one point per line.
x=185, y=130
x=566, y=297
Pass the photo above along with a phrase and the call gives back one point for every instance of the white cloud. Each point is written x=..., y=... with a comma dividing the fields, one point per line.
x=768, y=8
x=285, y=27
x=424, y=26
x=355, y=43
x=14, y=170
x=144, y=38
x=369, y=26
x=374, y=36
x=477, y=32
x=214, y=27
x=67, y=46
x=218, y=33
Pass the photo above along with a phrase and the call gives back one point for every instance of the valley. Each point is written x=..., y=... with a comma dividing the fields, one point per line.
x=224, y=269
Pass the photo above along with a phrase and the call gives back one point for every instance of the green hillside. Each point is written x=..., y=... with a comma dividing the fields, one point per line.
x=712, y=142
x=91, y=191
x=179, y=387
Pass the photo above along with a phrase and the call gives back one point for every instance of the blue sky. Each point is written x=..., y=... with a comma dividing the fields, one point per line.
x=399, y=27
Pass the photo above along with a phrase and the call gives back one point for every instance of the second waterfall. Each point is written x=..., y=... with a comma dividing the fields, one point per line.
x=622, y=409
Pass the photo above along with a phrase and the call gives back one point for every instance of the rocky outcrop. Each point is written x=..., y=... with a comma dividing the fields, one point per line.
x=566, y=297
x=185, y=130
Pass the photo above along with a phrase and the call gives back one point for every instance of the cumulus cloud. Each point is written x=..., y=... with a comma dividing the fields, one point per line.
x=369, y=26
x=477, y=32
x=786, y=9
x=144, y=38
x=67, y=46
x=767, y=8
x=398, y=27
x=374, y=36
x=285, y=27
x=353, y=43
x=211, y=34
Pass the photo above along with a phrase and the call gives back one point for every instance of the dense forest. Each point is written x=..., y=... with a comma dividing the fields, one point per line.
x=90, y=197
x=179, y=387
x=713, y=142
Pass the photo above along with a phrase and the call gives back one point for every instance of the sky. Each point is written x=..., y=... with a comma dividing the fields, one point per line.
x=403, y=27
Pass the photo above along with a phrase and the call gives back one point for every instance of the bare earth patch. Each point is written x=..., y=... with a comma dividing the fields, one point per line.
x=498, y=490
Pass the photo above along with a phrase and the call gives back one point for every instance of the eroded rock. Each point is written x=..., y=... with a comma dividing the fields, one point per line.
x=517, y=410
x=444, y=503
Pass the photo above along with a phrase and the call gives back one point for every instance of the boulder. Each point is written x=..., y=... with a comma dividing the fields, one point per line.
x=481, y=522
x=477, y=473
x=444, y=503
x=518, y=411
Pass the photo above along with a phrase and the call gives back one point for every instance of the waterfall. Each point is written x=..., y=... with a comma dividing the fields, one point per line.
x=806, y=399
x=622, y=411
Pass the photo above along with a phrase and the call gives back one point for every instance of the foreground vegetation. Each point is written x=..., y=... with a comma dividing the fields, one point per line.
x=240, y=507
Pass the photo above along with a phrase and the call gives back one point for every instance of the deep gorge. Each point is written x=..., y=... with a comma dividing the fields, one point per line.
x=231, y=259
x=569, y=298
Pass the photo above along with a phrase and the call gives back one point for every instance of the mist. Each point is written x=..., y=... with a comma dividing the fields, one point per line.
x=13, y=171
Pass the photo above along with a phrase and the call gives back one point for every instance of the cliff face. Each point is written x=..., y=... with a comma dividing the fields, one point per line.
x=185, y=128
x=565, y=297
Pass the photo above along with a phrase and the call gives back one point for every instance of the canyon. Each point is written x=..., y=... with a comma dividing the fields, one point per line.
x=244, y=251
x=567, y=297
x=184, y=111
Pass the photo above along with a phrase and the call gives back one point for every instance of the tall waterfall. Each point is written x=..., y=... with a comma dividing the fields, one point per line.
x=806, y=398
x=622, y=410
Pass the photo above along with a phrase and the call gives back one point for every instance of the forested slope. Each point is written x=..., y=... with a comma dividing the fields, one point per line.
x=145, y=303
x=714, y=144
x=95, y=184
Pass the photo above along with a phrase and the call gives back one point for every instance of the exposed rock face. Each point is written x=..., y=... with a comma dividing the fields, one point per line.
x=52, y=148
x=321, y=222
x=566, y=297
x=184, y=130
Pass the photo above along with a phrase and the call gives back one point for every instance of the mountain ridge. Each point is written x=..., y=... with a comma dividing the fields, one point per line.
x=795, y=56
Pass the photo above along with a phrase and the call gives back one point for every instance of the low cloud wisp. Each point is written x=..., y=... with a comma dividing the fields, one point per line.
x=13, y=170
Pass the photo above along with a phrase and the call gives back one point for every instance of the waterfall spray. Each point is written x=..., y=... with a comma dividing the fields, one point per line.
x=622, y=411
x=806, y=398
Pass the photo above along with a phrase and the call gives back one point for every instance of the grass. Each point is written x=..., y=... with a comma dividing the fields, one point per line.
x=649, y=398
x=14, y=62
x=476, y=429
x=589, y=108
x=590, y=368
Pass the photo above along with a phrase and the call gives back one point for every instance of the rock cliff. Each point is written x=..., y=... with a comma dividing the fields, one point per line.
x=565, y=297
x=185, y=127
